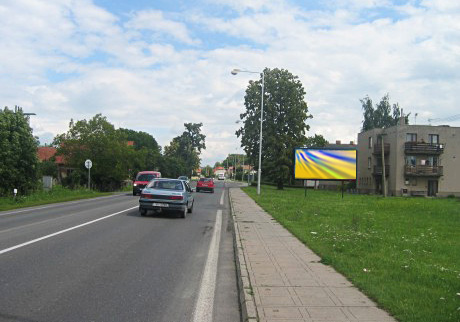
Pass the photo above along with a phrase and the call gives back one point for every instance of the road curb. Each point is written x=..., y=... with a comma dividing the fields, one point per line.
x=245, y=291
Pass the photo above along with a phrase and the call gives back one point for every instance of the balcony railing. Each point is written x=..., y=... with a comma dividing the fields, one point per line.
x=378, y=148
x=423, y=170
x=423, y=148
x=378, y=170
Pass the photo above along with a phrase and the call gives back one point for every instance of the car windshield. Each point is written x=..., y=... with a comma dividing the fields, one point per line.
x=166, y=185
x=205, y=179
x=146, y=177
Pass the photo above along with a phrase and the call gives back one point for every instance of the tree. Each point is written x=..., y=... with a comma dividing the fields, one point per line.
x=284, y=123
x=106, y=147
x=317, y=141
x=184, y=151
x=18, y=153
x=148, y=151
x=382, y=116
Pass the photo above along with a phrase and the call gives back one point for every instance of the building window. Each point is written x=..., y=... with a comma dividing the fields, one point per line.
x=369, y=163
x=411, y=137
x=411, y=160
x=414, y=181
x=433, y=138
x=432, y=161
x=370, y=142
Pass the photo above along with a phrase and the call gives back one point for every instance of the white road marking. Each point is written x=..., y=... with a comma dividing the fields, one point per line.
x=53, y=205
x=6, y=250
x=222, y=198
x=205, y=303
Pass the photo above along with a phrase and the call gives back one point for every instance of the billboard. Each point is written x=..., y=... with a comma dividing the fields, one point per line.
x=324, y=164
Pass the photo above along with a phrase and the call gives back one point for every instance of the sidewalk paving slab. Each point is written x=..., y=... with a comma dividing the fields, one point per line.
x=282, y=280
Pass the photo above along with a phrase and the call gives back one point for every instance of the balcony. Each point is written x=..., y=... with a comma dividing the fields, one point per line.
x=423, y=148
x=423, y=171
x=378, y=169
x=378, y=148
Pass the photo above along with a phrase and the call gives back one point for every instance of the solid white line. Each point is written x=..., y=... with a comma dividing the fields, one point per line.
x=62, y=231
x=54, y=205
x=222, y=198
x=205, y=302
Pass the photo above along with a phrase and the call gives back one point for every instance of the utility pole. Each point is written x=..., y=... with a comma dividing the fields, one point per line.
x=242, y=172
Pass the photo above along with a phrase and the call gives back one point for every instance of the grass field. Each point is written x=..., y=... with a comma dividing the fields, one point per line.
x=57, y=194
x=402, y=252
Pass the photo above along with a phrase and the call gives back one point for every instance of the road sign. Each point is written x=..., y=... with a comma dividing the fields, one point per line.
x=88, y=164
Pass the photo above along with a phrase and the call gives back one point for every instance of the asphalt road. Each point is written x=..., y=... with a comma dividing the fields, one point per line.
x=99, y=260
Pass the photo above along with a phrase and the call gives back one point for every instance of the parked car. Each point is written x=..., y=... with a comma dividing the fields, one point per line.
x=142, y=179
x=172, y=195
x=205, y=184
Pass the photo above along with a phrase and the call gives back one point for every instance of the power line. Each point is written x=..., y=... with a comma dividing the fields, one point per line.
x=445, y=119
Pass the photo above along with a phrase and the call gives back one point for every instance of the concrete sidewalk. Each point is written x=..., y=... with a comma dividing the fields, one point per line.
x=282, y=280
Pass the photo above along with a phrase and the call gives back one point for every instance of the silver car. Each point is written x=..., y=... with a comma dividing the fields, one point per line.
x=172, y=195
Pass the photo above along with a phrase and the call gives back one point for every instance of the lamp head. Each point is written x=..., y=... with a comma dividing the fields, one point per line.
x=235, y=71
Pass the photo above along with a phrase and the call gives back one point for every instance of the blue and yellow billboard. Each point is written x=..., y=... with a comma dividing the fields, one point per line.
x=325, y=164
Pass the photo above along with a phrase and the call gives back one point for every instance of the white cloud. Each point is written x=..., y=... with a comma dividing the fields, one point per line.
x=66, y=59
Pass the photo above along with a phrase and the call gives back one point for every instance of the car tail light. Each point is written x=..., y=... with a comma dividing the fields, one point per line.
x=146, y=196
x=176, y=197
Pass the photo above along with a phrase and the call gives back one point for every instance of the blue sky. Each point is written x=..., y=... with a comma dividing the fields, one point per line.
x=154, y=65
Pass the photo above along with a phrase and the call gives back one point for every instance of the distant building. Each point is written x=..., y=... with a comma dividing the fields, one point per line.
x=420, y=160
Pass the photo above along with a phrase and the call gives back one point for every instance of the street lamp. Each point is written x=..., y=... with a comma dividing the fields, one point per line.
x=234, y=72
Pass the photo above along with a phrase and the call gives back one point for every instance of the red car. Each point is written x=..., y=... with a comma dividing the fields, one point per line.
x=205, y=184
x=142, y=179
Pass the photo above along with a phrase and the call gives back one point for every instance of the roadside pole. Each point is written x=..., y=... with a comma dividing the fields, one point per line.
x=88, y=165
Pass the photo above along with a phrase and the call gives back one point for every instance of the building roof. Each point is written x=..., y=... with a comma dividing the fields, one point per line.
x=45, y=153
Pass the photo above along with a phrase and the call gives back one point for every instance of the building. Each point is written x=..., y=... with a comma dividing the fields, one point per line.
x=420, y=160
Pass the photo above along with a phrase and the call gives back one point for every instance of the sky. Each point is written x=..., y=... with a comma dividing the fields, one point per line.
x=153, y=65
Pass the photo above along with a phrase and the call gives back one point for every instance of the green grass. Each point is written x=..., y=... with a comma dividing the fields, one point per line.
x=57, y=194
x=404, y=253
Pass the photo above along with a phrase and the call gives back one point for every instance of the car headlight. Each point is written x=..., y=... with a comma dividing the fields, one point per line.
x=135, y=184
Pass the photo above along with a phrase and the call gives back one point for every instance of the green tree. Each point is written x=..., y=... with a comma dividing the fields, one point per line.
x=148, y=151
x=382, y=116
x=18, y=153
x=317, y=141
x=106, y=147
x=284, y=123
x=186, y=150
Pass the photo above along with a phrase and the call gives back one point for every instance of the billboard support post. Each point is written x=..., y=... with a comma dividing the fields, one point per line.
x=342, y=189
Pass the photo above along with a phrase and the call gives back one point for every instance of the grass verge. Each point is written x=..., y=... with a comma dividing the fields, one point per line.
x=404, y=253
x=57, y=194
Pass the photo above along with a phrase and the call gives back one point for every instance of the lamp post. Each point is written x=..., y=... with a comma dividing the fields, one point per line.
x=234, y=72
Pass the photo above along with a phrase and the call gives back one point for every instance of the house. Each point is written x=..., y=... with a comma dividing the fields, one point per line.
x=416, y=160
x=48, y=153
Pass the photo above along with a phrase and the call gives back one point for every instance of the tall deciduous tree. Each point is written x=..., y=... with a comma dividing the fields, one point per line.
x=18, y=153
x=184, y=151
x=382, y=116
x=106, y=147
x=317, y=141
x=284, y=123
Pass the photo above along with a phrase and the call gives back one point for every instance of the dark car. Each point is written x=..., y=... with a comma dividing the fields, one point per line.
x=171, y=195
x=205, y=184
x=142, y=179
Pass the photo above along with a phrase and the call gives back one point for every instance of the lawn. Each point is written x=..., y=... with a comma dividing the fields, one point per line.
x=57, y=194
x=402, y=252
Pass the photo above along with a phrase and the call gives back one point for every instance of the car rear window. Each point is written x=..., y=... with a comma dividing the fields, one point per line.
x=205, y=179
x=167, y=185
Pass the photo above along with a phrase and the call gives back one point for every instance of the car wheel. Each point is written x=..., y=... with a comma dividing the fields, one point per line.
x=191, y=208
x=197, y=190
x=143, y=212
x=212, y=190
x=183, y=213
